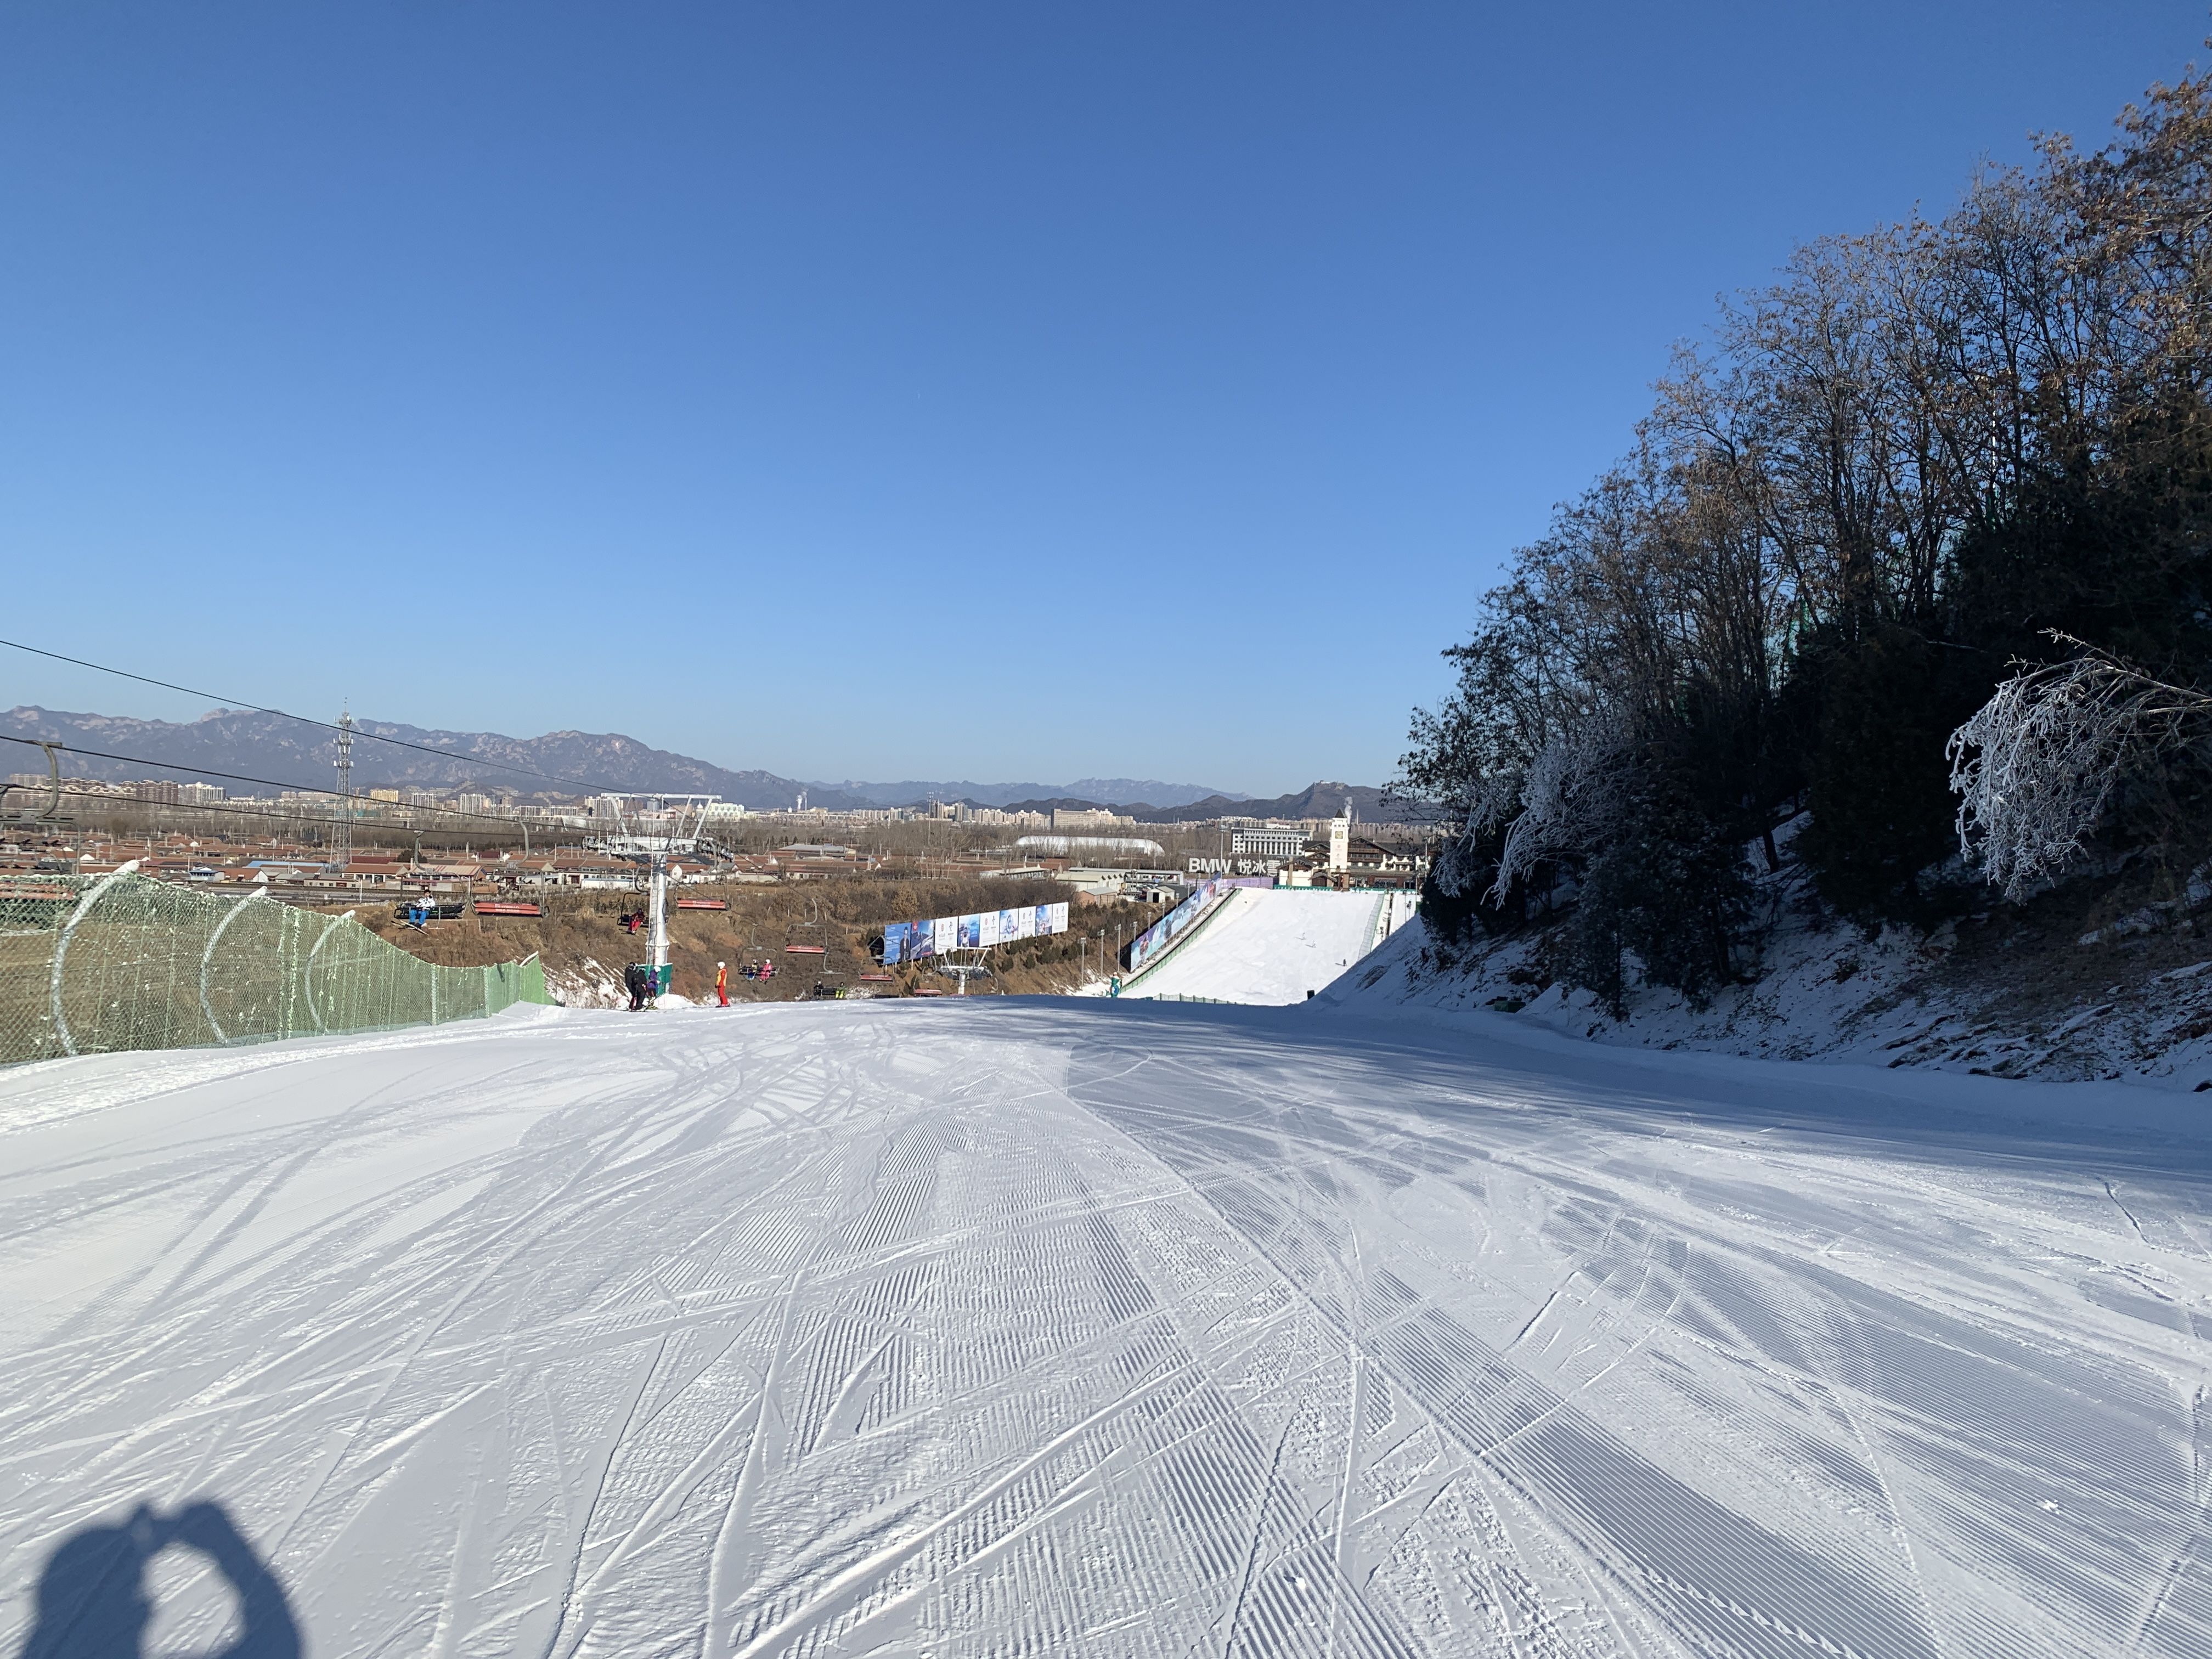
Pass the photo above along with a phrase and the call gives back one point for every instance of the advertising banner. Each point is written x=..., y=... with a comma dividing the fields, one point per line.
x=917, y=941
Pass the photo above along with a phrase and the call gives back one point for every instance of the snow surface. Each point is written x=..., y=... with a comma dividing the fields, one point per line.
x=1076, y=1327
x=1274, y=945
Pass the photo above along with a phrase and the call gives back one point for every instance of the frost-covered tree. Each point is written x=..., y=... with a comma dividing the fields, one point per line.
x=2038, y=763
x=1569, y=801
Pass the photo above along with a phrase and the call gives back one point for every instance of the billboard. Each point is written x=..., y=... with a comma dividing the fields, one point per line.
x=935, y=936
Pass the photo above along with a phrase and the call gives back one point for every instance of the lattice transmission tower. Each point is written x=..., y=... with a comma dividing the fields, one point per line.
x=341, y=840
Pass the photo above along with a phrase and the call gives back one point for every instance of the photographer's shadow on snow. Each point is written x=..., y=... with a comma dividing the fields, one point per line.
x=94, y=1601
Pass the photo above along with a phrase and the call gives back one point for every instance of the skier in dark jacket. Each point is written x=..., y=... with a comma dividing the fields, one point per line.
x=634, y=978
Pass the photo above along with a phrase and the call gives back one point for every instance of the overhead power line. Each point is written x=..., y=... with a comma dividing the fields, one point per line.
x=304, y=720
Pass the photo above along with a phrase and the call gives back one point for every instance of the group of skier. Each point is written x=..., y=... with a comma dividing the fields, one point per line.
x=643, y=982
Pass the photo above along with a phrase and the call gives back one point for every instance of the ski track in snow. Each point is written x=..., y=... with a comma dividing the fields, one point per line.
x=1030, y=1326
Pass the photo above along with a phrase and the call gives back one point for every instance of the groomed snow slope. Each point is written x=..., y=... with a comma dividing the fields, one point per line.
x=1004, y=1327
x=1274, y=945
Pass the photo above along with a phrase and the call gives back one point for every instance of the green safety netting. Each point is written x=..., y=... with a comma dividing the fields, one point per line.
x=93, y=964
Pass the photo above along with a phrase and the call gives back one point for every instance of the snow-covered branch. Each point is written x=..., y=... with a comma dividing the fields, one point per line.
x=1489, y=803
x=2037, y=764
x=1562, y=802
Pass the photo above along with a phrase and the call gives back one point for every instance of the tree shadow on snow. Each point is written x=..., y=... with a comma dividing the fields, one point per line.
x=93, y=1600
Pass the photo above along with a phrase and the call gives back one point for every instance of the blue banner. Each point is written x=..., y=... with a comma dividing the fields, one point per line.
x=916, y=941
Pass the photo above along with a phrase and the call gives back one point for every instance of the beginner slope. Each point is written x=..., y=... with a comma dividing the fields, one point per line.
x=1003, y=1327
x=1274, y=945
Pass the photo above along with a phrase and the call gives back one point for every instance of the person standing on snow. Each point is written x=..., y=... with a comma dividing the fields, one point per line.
x=722, y=982
x=634, y=978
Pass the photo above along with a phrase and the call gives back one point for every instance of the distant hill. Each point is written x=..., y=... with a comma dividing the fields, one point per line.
x=300, y=757
x=915, y=791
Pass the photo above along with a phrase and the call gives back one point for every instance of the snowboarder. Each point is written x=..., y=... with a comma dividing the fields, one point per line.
x=722, y=982
x=634, y=978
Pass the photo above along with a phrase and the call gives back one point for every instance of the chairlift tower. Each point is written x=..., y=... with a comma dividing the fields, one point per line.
x=650, y=830
x=973, y=968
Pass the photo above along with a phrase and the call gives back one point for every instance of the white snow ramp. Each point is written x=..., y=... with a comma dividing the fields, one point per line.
x=1082, y=1328
x=1274, y=945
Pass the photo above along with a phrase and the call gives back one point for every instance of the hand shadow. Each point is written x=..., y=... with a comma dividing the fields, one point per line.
x=92, y=1595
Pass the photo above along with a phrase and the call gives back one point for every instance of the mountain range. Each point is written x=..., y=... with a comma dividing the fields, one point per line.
x=249, y=752
x=277, y=750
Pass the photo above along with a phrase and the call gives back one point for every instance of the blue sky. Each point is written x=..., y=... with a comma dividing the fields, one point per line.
x=900, y=390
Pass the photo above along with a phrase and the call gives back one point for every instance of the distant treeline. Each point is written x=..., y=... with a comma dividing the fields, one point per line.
x=1926, y=458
